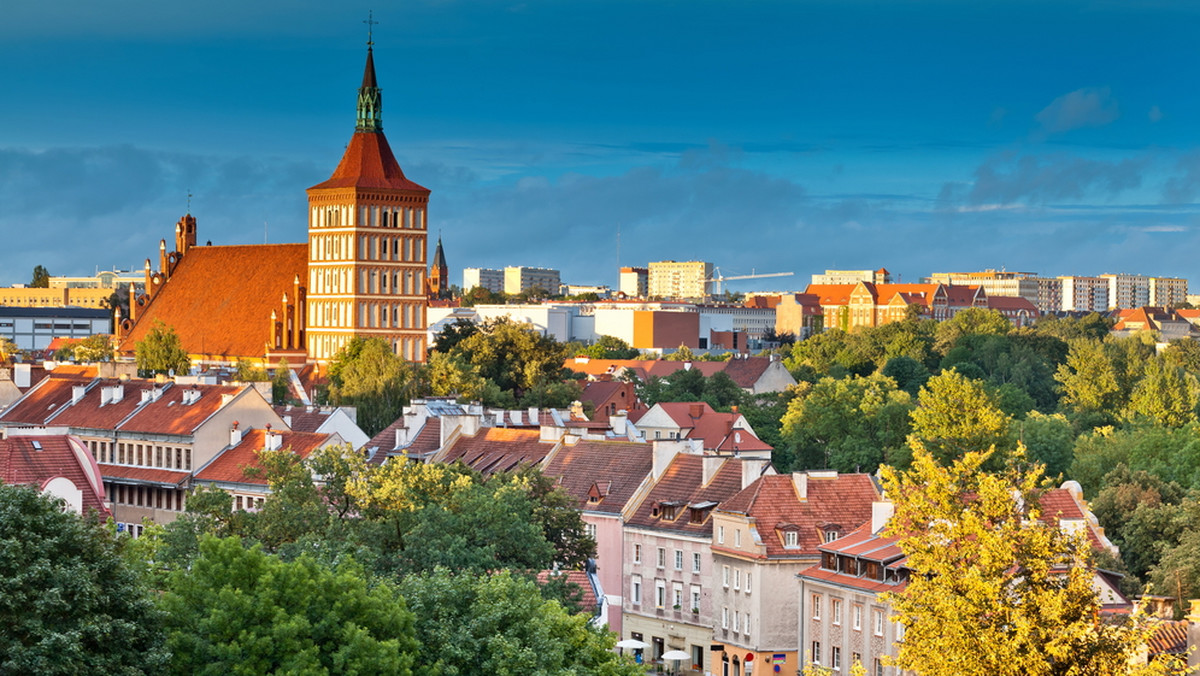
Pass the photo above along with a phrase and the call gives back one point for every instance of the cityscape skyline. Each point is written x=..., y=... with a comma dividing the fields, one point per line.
x=917, y=136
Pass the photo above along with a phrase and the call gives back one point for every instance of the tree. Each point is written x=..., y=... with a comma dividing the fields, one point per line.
x=160, y=351
x=41, y=278
x=1166, y=395
x=500, y=624
x=851, y=424
x=240, y=611
x=610, y=347
x=956, y=415
x=1048, y=439
x=993, y=589
x=478, y=295
x=1088, y=380
x=450, y=374
x=7, y=348
x=973, y=321
x=367, y=374
x=69, y=601
x=684, y=353
x=514, y=356
x=93, y=348
x=454, y=333
x=246, y=372
x=281, y=383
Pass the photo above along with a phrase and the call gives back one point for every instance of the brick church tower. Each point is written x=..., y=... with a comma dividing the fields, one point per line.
x=367, y=244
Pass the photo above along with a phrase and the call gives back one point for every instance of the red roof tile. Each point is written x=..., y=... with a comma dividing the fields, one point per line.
x=219, y=299
x=22, y=463
x=169, y=415
x=88, y=413
x=499, y=449
x=616, y=468
x=151, y=475
x=369, y=163
x=230, y=464
x=682, y=482
x=839, y=501
x=588, y=600
x=42, y=400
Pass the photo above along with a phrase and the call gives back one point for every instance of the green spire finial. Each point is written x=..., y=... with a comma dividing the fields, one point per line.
x=370, y=98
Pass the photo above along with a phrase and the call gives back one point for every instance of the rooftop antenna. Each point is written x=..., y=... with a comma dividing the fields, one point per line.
x=371, y=23
x=189, y=202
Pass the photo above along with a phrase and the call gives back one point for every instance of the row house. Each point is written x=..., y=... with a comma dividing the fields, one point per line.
x=714, y=430
x=842, y=618
x=228, y=471
x=755, y=375
x=763, y=537
x=847, y=306
x=669, y=574
x=147, y=437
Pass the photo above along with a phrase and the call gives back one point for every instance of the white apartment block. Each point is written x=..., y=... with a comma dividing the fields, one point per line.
x=1127, y=291
x=492, y=280
x=1168, y=291
x=1084, y=294
x=520, y=279
x=634, y=282
x=672, y=279
x=880, y=276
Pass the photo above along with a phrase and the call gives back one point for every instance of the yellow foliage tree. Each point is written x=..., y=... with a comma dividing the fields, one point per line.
x=407, y=486
x=994, y=590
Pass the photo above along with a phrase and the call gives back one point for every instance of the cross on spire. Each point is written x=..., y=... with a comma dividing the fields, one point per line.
x=189, y=201
x=371, y=23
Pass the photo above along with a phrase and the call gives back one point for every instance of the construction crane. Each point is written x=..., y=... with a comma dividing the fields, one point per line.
x=719, y=279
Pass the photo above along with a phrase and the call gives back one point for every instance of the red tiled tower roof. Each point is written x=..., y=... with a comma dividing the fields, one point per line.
x=369, y=163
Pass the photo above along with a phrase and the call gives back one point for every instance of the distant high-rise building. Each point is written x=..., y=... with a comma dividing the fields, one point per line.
x=671, y=279
x=1127, y=291
x=1084, y=294
x=634, y=282
x=880, y=276
x=1168, y=292
x=1027, y=285
x=520, y=279
x=492, y=280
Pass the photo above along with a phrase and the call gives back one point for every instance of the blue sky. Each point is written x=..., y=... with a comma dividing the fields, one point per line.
x=1056, y=137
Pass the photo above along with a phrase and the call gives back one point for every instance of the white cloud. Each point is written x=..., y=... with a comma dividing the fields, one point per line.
x=1087, y=107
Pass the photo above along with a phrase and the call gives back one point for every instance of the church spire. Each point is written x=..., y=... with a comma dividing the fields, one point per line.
x=370, y=98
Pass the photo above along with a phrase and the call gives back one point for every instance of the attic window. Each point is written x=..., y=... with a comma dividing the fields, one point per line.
x=828, y=561
x=669, y=510
x=790, y=533
x=599, y=491
x=830, y=532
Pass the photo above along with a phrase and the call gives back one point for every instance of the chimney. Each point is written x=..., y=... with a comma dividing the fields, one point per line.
x=235, y=435
x=752, y=469
x=146, y=395
x=800, y=479
x=77, y=393
x=577, y=409
x=616, y=421
x=274, y=440
x=665, y=451
x=534, y=415
x=21, y=375
x=695, y=410
x=711, y=464
x=881, y=511
x=225, y=398
x=287, y=420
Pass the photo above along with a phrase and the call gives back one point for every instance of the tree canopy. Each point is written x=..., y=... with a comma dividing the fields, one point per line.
x=367, y=374
x=70, y=603
x=160, y=351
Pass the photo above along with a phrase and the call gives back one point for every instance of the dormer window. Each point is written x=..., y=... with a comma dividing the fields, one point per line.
x=830, y=532
x=699, y=511
x=598, y=491
x=668, y=510
x=828, y=561
x=790, y=534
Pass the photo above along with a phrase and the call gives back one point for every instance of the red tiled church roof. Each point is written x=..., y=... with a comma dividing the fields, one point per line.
x=219, y=299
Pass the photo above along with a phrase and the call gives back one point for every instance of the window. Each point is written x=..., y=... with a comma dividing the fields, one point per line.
x=737, y=578
x=696, y=562
x=831, y=535
x=678, y=559
x=836, y=610
x=855, y=658
x=637, y=590
x=591, y=531
x=746, y=624
x=737, y=538
x=662, y=557
x=725, y=576
x=637, y=553
x=857, y=617
x=677, y=596
x=725, y=617
x=877, y=618
x=878, y=667
x=791, y=539
x=698, y=657
x=736, y=620
x=747, y=583
x=816, y=606
x=720, y=535
x=660, y=594
x=695, y=599
x=816, y=652
x=835, y=654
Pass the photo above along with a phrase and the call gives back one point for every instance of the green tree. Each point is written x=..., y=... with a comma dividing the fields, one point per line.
x=993, y=589
x=93, y=349
x=956, y=415
x=910, y=375
x=500, y=624
x=514, y=356
x=1048, y=439
x=246, y=372
x=1089, y=381
x=452, y=334
x=610, y=347
x=367, y=374
x=1094, y=326
x=70, y=603
x=683, y=353
x=240, y=611
x=281, y=384
x=160, y=351
x=41, y=278
x=450, y=374
x=1168, y=453
x=1183, y=353
x=477, y=295
x=1166, y=395
x=851, y=425
x=970, y=322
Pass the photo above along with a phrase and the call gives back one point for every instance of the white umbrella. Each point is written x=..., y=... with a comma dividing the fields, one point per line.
x=632, y=644
x=676, y=655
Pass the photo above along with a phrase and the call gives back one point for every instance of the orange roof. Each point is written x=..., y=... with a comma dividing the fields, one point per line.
x=1011, y=303
x=24, y=463
x=90, y=414
x=230, y=464
x=841, y=502
x=169, y=415
x=614, y=469
x=715, y=428
x=499, y=449
x=42, y=400
x=831, y=294
x=219, y=299
x=369, y=163
x=922, y=294
x=682, y=482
